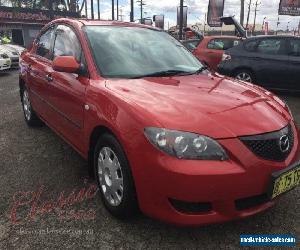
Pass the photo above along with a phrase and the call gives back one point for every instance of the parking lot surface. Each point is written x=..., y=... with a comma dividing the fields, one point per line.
x=47, y=200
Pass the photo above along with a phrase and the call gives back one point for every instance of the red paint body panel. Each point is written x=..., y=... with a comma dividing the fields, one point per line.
x=207, y=104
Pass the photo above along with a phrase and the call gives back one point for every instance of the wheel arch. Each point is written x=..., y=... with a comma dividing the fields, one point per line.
x=242, y=68
x=97, y=131
x=21, y=86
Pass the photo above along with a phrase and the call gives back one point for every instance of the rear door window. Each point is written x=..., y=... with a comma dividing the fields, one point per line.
x=250, y=46
x=222, y=44
x=272, y=46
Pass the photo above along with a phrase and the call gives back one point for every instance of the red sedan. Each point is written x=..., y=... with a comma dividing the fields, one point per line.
x=161, y=133
x=210, y=49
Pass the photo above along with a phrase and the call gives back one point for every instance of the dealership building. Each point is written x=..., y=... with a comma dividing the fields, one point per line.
x=23, y=24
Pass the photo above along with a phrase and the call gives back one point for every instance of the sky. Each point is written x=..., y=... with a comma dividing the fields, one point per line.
x=197, y=10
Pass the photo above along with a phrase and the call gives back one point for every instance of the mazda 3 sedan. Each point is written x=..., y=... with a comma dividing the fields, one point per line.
x=161, y=133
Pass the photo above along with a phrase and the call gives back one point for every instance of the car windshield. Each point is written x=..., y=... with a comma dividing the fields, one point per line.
x=132, y=52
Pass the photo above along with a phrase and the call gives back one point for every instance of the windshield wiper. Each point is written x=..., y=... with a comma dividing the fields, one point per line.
x=166, y=73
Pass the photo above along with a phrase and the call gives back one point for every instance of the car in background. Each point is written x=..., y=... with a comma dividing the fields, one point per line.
x=16, y=47
x=270, y=61
x=5, y=61
x=13, y=54
x=210, y=49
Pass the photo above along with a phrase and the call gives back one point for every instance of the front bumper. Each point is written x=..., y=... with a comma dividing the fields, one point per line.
x=228, y=190
x=14, y=62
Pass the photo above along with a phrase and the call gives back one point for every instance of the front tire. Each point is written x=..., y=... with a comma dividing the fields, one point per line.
x=114, y=178
x=30, y=116
x=244, y=75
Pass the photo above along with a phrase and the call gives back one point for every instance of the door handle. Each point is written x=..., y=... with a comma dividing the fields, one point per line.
x=49, y=78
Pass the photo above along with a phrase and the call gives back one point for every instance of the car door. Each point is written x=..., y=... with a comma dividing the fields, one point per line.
x=271, y=62
x=66, y=91
x=39, y=65
x=294, y=65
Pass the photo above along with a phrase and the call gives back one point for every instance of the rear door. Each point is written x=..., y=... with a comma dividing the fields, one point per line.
x=271, y=62
x=293, y=81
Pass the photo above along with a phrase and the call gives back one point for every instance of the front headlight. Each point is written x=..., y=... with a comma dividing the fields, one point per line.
x=185, y=145
x=4, y=56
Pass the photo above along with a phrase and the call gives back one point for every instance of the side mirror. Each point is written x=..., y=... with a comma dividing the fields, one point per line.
x=66, y=64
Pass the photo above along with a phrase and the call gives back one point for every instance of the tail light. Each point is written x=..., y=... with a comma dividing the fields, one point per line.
x=226, y=57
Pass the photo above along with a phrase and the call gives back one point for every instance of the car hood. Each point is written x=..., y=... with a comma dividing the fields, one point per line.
x=210, y=105
x=11, y=52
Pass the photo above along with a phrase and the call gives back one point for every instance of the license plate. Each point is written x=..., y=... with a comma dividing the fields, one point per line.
x=285, y=180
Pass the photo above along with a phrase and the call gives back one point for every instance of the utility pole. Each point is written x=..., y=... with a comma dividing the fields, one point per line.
x=242, y=14
x=92, y=9
x=141, y=6
x=112, y=9
x=205, y=18
x=86, y=9
x=181, y=20
x=248, y=16
x=50, y=7
x=278, y=22
x=98, y=5
x=255, y=14
x=117, y=9
x=131, y=11
x=121, y=14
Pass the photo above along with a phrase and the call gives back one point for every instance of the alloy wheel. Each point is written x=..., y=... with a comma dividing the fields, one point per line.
x=26, y=105
x=110, y=176
x=243, y=76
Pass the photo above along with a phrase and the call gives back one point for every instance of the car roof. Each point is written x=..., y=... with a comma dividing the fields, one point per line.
x=88, y=22
x=272, y=36
x=216, y=37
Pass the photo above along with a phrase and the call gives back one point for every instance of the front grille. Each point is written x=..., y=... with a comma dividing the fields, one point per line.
x=191, y=207
x=275, y=146
x=5, y=56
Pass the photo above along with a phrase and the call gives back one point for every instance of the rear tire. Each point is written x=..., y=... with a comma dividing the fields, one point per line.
x=30, y=116
x=244, y=75
x=114, y=178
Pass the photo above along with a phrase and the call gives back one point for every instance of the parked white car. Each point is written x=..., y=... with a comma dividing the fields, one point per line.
x=13, y=55
x=5, y=62
x=18, y=48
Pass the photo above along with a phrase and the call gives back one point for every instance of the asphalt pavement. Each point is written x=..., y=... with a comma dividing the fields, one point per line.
x=47, y=200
